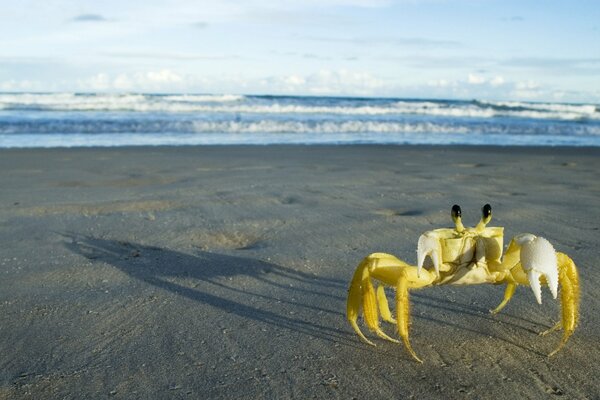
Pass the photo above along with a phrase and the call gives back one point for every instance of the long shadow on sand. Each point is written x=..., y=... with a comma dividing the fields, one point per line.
x=210, y=278
x=214, y=279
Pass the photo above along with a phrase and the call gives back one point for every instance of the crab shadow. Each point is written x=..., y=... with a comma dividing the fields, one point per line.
x=487, y=324
x=250, y=288
x=297, y=301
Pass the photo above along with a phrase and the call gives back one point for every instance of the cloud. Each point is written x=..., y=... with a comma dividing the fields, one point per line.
x=474, y=79
x=24, y=85
x=88, y=18
x=311, y=56
x=514, y=18
x=556, y=65
x=169, y=56
x=388, y=40
x=495, y=87
x=200, y=25
x=161, y=80
x=326, y=82
x=323, y=82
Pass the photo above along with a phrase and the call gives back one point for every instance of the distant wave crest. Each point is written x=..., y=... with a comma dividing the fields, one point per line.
x=236, y=104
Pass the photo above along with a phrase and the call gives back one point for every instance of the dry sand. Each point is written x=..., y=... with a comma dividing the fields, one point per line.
x=221, y=272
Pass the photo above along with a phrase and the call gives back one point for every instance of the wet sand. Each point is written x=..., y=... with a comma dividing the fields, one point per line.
x=222, y=272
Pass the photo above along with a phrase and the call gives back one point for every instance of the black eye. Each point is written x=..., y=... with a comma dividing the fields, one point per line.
x=486, y=210
x=456, y=212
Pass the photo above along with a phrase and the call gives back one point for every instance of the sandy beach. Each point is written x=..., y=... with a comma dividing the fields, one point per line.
x=222, y=272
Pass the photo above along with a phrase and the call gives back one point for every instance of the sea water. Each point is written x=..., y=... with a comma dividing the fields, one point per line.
x=74, y=119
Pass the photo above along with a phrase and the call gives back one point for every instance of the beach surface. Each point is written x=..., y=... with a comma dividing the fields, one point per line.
x=222, y=272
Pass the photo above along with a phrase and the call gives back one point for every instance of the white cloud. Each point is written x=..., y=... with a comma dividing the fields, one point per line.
x=326, y=82
x=99, y=82
x=323, y=82
x=162, y=76
x=527, y=85
x=474, y=79
x=440, y=83
x=497, y=81
x=24, y=85
x=492, y=87
x=161, y=80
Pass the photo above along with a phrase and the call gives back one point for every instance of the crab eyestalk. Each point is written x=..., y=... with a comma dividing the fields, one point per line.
x=456, y=217
x=486, y=217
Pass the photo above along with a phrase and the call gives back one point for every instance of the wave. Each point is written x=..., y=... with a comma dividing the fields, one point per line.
x=269, y=105
x=111, y=102
x=568, y=111
x=206, y=98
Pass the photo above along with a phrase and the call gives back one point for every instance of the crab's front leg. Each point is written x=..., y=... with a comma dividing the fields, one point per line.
x=508, y=294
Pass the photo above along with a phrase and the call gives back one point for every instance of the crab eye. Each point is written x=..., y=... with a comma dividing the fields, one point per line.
x=486, y=210
x=456, y=212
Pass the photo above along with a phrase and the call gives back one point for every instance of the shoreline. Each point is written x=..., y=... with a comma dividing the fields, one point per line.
x=525, y=148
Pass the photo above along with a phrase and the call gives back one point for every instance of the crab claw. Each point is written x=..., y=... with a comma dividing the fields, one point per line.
x=538, y=259
x=428, y=245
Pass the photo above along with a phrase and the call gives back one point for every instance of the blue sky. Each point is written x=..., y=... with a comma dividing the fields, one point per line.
x=497, y=50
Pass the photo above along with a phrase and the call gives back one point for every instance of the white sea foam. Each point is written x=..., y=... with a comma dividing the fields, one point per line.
x=234, y=104
x=207, y=98
x=297, y=126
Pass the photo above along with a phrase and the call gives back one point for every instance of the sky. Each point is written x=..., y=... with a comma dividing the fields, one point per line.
x=462, y=49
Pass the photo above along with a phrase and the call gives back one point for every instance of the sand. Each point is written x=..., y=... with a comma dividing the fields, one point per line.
x=222, y=272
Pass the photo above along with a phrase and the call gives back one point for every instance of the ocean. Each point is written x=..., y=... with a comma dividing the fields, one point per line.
x=75, y=120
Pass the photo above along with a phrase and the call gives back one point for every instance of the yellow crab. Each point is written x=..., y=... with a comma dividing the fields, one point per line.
x=463, y=256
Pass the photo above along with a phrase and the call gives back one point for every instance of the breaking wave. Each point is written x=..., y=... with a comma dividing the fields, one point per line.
x=236, y=104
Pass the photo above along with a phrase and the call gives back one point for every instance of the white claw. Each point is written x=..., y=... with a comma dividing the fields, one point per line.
x=534, y=282
x=428, y=245
x=538, y=258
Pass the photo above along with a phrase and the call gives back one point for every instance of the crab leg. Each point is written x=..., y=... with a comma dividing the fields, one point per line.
x=370, y=307
x=569, y=296
x=403, y=310
x=361, y=286
x=540, y=264
x=353, y=302
x=508, y=294
x=384, y=307
x=388, y=270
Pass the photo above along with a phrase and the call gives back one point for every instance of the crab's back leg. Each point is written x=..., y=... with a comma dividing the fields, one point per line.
x=370, y=309
x=384, y=307
x=361, y=287
x=569, y=297
x=354, y=297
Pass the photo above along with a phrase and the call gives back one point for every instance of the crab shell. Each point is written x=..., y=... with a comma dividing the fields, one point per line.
x=459, y=248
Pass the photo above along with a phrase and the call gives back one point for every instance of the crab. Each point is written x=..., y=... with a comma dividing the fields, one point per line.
x=463, y=256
